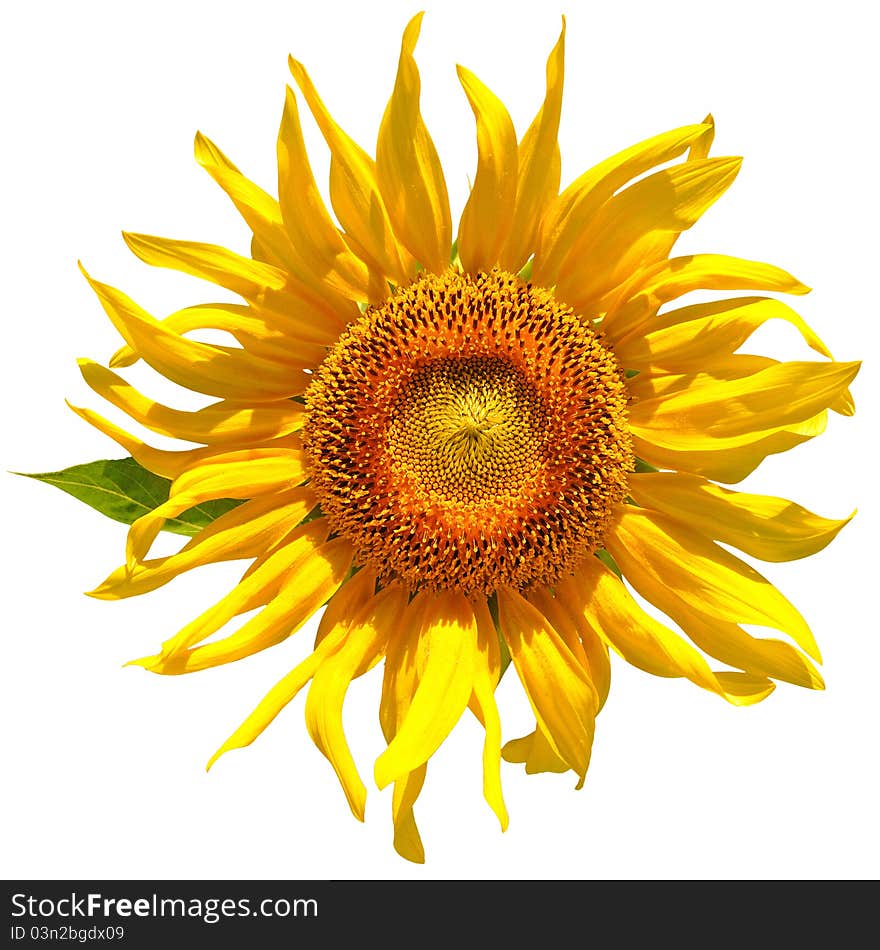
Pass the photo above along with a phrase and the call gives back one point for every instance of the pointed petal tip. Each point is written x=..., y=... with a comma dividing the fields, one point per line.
x=201, y=148
x=412, y=857
x=296, y=68
x=381, y=775
x=147, y=662
x=98, y=593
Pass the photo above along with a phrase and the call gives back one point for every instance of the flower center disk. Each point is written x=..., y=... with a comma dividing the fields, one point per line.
x=469, y=433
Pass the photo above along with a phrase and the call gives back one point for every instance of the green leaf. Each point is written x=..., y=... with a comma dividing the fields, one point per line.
x=124, y=490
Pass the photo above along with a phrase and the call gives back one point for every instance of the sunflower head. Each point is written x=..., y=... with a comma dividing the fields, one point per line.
x=465, y=451
x=470, y=433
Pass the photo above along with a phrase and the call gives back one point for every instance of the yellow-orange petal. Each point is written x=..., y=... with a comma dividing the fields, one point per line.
x=486, y=675
x=198, y=366
x=650, y=645
x=305, y=217
x=667, y=562
x=741, y=409
x=312, y=577
x=692, y=338
x=574, y=209
x=773, y=529
x=638, y=299
x=538, y=167
x=563, y=613
x=252, y=591
x=408, y=169
x=244, y=532
x=488, y=213
x=354, y=189
x=244, y=473
x=218, y=424
x=560, y=693
x=640, y=225
x=448, y=647
x=364, y=641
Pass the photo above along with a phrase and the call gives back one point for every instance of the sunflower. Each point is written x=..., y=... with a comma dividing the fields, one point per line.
x=474, y=448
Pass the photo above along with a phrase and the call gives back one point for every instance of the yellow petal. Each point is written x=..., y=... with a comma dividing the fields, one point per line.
x=401, y=674
x=488, y=214
x=345, y=605
x=668, y=563
x=407, y=840
x=354, y=189
x=292, y=341
x=310, y=580
x=769, y=528
x=244, y=532
x=168, y=464
x=728, y=460
x=560, y=620
x=645, y=642
x=260, y=283
x=575, y=208
x=538, y=167
x=561, y=695
x=281, y=694
x=242, y=275
x=640, y=225
x=259, y=210
x=691, y=338
x=407, y=167
x=564, y=614
x=197, y=366
x=536, y=752
x=639, y=299
x=486, y=674
x=399, y=685
x=220, y=423
x=239, y=474
x=306, y=219
x=758, y=656
x=271, y=242
x=252, y=591
x=448, y=643
x=365, y=640
x=780, y=395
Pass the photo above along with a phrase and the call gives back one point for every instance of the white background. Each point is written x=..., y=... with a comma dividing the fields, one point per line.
x=103, y=766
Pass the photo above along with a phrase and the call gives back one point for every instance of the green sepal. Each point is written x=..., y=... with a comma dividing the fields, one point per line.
x=492, y=602
x=454, y=257
x=609, y=561
x=123, y=490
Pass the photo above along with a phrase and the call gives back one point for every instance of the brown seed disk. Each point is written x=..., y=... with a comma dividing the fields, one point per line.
x=469, y=433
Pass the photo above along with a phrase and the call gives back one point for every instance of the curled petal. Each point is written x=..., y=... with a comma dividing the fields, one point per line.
x=769, y=528
x=562, y=697
x=407, y=167
x=538, y=167
x=448, y=647
x=667, y=562
x=488, y=214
